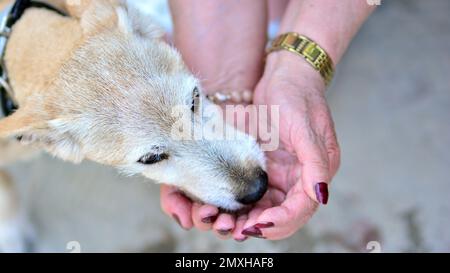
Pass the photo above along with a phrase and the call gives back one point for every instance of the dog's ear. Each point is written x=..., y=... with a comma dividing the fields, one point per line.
x=98, y=15
x=52, y=135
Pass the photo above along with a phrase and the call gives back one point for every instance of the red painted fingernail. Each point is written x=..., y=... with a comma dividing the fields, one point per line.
x=224, y=232
x=253, y=231
x=209, y=219
x=321, y=192
x=177, y=219
x=264, y=225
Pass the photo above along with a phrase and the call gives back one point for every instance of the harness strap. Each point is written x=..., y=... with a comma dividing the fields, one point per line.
x=15, y=13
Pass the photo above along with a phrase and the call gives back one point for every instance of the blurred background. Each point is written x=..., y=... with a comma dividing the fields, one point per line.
x=391, y=103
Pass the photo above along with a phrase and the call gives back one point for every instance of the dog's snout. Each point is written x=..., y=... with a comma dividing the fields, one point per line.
x=256, y=190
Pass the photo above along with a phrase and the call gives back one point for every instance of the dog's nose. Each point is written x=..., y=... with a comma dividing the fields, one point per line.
x=256, y=190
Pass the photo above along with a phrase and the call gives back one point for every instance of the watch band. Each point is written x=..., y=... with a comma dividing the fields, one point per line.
x=308, y=49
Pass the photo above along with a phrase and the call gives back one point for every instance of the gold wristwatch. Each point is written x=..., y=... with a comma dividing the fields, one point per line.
x=308, y=49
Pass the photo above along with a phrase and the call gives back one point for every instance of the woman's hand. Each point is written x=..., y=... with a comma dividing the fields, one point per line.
x=308, y=156
x=299, y=170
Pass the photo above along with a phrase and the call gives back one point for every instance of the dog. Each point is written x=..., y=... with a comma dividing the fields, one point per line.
x=102, y=84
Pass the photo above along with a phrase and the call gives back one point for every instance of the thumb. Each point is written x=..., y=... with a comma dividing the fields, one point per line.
x=315, y=174
x=177, y=206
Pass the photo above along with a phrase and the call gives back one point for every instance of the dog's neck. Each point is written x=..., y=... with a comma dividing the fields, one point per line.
x=39, y=44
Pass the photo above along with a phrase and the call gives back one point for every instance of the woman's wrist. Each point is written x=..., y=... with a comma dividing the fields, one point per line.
x=307, y=49
x=328, y=41
x=293, y=69
x=331, y=24
x=234, y=75
x=222, y=41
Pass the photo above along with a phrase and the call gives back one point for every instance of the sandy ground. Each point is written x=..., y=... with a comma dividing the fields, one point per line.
x=391, y=103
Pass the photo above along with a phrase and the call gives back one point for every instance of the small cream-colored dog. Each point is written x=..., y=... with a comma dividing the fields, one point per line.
x=101, y=84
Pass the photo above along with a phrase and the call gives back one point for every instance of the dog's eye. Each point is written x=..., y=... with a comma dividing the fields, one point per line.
x=152, y=158
x=195, y=100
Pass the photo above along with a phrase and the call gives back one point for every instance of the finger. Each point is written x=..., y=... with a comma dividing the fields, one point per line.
x=239, y=227
x=176, y=205
x=224, y=225
x=282, y=221
x=253, y=215
x=315, y=172
x=204, y=216
x=334, y=155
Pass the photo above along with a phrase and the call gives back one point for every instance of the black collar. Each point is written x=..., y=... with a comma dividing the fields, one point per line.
x=15, y=13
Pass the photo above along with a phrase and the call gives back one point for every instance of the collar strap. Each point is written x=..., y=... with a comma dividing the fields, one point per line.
x=20, y=6
x=13, y=14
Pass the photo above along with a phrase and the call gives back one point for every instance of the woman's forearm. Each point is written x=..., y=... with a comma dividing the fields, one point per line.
x=222, y=41
x=330, y=23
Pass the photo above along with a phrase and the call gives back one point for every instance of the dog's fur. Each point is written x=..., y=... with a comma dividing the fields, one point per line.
x=102, y=85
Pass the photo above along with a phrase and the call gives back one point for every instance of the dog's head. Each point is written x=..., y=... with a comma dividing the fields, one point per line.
x=118, y=101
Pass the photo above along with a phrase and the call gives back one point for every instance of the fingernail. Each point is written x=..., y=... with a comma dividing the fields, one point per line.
x=177, y=219
x=241, y=240
x=224, y=232
x=253, y=231
x=264, y=225
x=209, y=219
x=321, y=192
